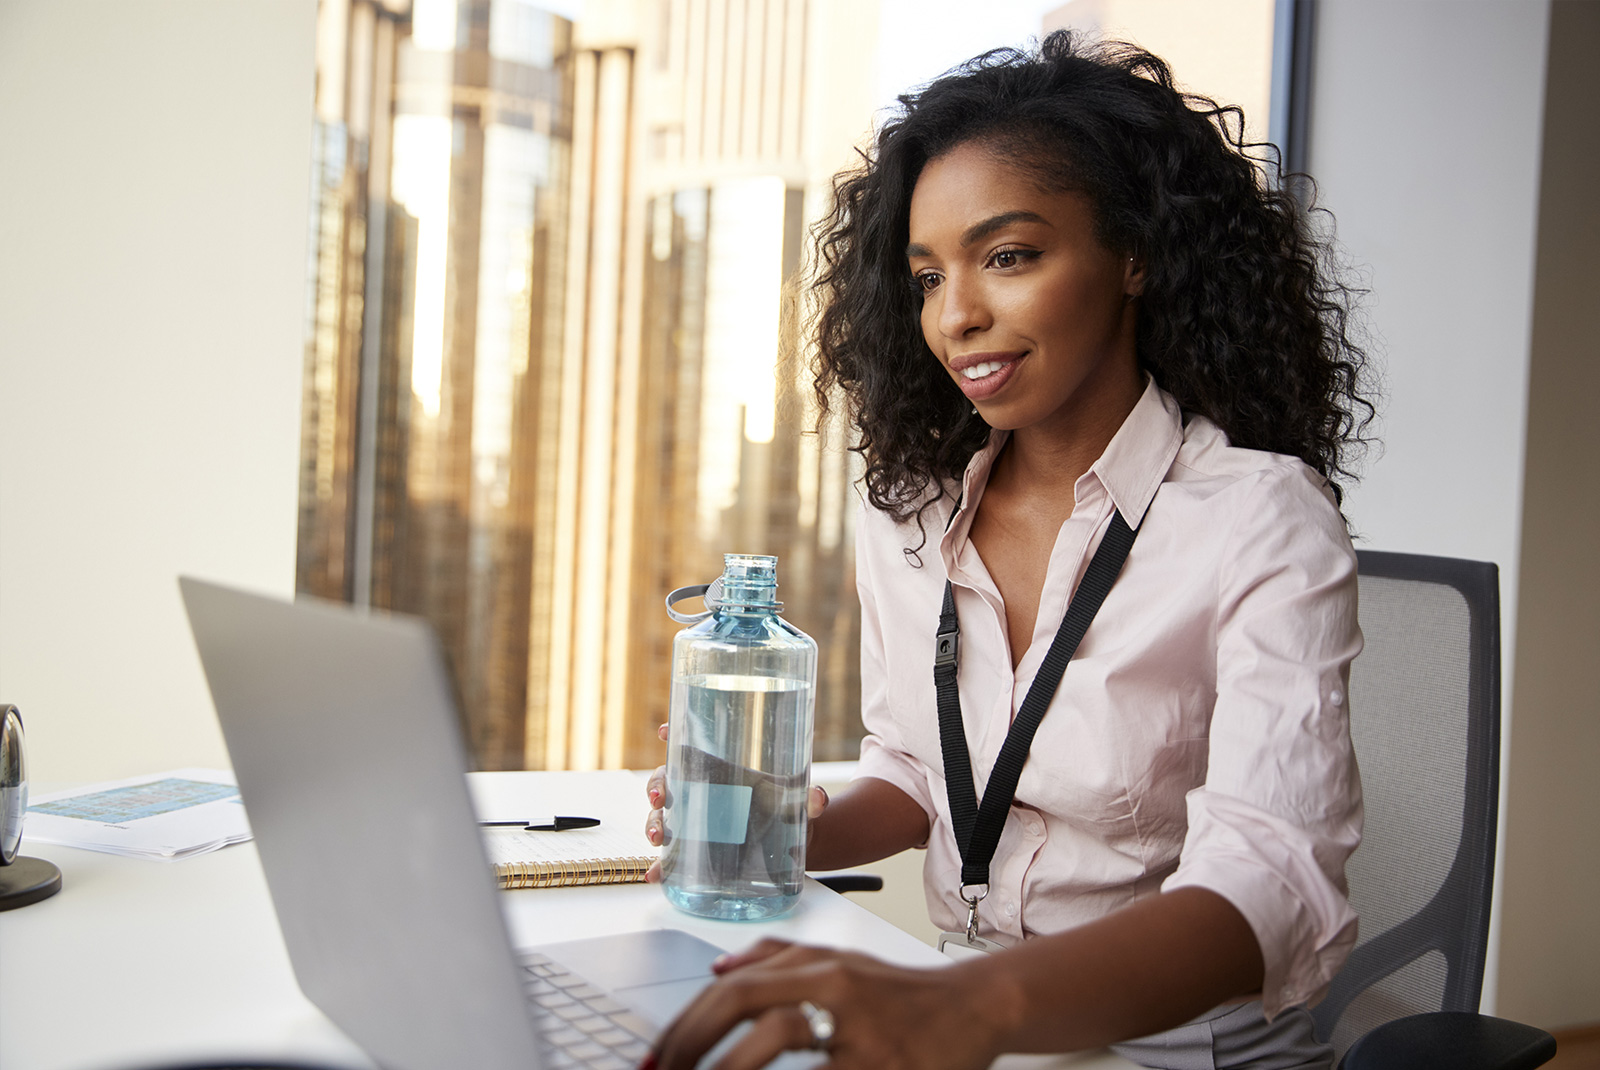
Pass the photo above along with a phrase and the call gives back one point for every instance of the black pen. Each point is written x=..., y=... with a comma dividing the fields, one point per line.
x=558, y=824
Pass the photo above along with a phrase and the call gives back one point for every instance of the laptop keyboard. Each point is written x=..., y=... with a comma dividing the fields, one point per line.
x=581, y=1025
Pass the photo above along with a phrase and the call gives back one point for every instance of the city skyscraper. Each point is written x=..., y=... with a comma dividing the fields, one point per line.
x=745, y=121
x=439, y=219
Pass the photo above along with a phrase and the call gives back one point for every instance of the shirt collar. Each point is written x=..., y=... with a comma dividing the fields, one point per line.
x=1140, y=454
x=1131, y=469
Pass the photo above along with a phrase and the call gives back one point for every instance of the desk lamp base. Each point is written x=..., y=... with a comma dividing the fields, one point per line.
x=27, y=880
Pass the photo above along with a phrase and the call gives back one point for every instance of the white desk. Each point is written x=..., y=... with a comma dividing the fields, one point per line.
x=137, y=964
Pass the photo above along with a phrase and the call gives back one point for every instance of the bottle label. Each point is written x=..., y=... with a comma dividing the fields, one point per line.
x=715, y=813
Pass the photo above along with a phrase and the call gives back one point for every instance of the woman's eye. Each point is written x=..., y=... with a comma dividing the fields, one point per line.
x=1010, y=258
x=926, y=282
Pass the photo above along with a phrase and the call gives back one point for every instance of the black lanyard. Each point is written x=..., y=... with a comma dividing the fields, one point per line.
x=978, y=828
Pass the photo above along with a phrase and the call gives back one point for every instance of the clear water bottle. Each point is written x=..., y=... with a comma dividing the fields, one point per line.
x=739, y=751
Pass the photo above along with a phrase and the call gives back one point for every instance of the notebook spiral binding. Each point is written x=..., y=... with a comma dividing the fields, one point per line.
x=571, y=873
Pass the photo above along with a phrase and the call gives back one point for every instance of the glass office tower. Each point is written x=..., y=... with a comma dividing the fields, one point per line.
x=439, y=250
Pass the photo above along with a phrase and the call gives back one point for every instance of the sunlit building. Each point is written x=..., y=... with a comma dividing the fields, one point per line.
x=439, y=239
x=744, y=125
x=703, y=138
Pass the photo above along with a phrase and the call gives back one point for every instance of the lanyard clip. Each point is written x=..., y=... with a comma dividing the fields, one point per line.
x=946, y=644
x=972, y=902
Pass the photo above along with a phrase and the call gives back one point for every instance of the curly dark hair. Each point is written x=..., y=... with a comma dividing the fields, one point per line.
x=1242, y=319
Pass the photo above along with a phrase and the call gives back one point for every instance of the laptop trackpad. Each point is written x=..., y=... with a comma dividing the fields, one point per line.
x=656, y=972
x=661, y=1003
x=627, y=960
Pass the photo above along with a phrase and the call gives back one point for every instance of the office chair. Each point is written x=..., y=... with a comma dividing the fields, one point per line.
x=1425, y=718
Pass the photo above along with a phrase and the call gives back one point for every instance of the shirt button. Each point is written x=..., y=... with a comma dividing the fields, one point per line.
x=1011, y=910
x=1336, y=697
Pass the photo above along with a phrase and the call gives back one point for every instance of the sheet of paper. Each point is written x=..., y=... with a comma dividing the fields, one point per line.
x=164, y=816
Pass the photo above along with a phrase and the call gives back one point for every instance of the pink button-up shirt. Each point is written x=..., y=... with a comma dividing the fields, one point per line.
x=1199, y=736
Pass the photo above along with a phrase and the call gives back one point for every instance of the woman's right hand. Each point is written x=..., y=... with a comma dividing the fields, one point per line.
x=655, y=827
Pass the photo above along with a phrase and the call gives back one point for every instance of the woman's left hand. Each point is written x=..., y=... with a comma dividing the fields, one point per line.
x=885, y=1017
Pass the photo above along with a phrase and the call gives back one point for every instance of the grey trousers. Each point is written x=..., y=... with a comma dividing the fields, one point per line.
x=1234, y=1037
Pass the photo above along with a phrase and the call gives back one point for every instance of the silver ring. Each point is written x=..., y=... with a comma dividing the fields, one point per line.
x=820, y=1022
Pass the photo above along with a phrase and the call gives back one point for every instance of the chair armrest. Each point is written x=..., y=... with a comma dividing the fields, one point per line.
x=1451, y=1040
x=852, y=882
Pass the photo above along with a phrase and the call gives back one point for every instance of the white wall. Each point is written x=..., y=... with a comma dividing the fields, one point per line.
x=153, y=205
x=1427, y=140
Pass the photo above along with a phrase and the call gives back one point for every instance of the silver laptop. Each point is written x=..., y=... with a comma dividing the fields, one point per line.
x=344, y=736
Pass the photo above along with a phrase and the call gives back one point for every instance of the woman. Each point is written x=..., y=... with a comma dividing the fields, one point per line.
x=1073, y=322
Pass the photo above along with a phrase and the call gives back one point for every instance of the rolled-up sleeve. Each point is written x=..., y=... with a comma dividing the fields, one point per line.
x=883, y=753
x=1280, y=810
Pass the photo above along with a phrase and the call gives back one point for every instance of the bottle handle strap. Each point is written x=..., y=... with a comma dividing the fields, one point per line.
x=710, y=593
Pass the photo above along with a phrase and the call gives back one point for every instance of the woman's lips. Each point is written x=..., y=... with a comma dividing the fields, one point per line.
x=986, y=385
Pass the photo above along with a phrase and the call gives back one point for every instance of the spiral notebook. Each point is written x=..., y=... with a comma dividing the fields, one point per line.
x=607, y=854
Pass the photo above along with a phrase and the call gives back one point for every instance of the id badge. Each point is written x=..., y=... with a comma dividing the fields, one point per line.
x=959, y=946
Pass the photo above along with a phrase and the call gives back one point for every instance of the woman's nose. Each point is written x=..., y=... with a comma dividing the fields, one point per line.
x=962, y=309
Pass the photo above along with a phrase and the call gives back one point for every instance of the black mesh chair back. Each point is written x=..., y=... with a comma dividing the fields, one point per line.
x=1425, y=716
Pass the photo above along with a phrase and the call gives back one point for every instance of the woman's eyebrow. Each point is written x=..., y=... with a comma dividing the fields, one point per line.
x=983, y=229
x=995, y=222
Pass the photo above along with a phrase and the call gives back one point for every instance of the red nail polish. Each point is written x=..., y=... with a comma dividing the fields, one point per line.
x=648, y=1062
